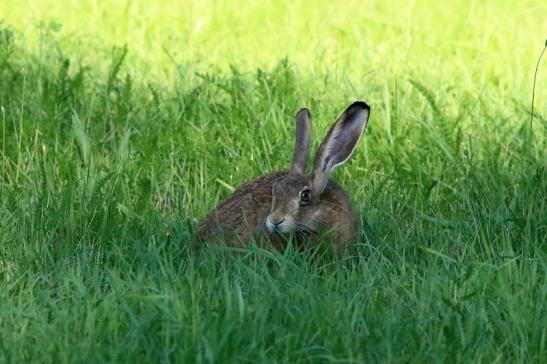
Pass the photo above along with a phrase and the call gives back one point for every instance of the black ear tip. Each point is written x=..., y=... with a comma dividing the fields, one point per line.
x=303, y=112
x=360, y=105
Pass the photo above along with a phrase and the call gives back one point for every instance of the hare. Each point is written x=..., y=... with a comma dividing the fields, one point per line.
x=309, y=207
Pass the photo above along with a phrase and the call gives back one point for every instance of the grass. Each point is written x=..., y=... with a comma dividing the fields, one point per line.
x=123, y=123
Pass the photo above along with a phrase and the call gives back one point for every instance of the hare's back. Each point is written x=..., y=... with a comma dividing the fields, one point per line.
x=243, y=212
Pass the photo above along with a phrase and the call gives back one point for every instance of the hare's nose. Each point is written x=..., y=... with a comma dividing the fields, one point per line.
x=277, y=223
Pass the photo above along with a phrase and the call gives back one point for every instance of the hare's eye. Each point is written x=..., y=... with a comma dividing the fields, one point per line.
x=305, y=196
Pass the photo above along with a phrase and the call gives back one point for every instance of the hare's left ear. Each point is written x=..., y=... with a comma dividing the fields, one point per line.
x=339, y=143
x=302, y=143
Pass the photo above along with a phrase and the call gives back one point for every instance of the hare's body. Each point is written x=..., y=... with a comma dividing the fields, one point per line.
x=241, y=216
x=310, y=207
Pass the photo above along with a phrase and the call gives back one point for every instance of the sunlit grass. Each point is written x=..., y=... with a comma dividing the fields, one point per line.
x=471, y=43
x=123, y=123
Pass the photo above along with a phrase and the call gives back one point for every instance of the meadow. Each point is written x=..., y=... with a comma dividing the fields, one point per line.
x=122, y=123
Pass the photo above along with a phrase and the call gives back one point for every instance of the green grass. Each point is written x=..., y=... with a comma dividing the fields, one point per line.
x=123, y=123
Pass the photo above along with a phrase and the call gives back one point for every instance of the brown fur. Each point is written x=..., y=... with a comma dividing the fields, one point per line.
x=240, y=216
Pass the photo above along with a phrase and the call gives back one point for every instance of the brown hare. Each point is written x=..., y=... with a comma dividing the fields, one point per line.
x=310, y=207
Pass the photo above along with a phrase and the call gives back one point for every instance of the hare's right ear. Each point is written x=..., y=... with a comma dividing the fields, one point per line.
x=339, y=143
x=302, y=144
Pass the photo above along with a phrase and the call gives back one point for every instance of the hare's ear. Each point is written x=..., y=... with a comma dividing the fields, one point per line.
x=302, y=144
x=339, y=143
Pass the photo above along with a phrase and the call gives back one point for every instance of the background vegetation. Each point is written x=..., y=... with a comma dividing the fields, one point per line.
x=123, y=122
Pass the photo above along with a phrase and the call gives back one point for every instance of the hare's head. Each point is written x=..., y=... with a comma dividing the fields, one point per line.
x=296, y=199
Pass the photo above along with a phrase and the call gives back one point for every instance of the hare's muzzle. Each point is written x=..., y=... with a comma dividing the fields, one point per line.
x=277, y=224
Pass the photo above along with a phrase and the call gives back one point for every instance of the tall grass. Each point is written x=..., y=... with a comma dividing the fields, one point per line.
x=110, y=154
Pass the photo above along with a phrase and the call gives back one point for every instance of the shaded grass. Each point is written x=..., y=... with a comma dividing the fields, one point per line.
x=103, y=179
